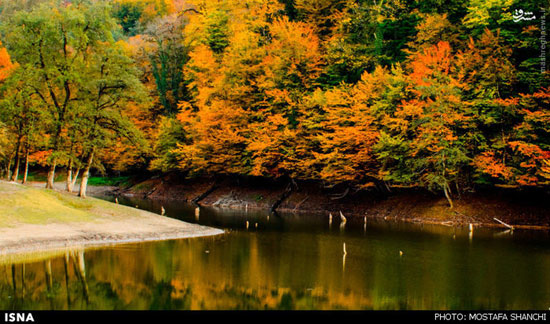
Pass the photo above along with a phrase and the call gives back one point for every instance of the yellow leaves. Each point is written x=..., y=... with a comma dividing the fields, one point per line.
x=486, y=63
x=410, y=109
x=186, y=115
x=203, y=59
x=545, y=169
x=479, y=12
x=279, y=96
x=337, y=98
x=320, y=13
x=207, y=73
x=433, y=28
x=348, y=137
x=372, y=84
x=295, y=50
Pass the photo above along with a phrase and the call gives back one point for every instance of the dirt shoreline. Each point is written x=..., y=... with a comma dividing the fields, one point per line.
x=522, y=209
x=107, y=224
x=14, y=240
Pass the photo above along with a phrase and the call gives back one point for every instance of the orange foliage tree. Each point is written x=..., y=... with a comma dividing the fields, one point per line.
x=6, y=65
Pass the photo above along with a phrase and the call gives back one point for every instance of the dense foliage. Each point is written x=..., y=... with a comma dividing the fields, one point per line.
x=440, y=94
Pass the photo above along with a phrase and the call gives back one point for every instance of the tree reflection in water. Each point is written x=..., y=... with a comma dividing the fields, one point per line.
x=299, y=269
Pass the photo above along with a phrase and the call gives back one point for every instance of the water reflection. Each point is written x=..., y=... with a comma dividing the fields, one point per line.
x=290, y=262
x=39, y=284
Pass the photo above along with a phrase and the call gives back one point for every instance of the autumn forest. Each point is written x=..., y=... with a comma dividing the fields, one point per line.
x=443, y=95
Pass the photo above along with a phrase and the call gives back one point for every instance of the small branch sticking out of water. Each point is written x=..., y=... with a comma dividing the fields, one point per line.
x=343, y=222
x=343, y=218
x=503, y=223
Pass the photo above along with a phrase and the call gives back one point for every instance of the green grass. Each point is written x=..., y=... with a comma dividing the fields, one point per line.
x=92, y=181
x=107, y=181
x=43, y=177
x=27, y=205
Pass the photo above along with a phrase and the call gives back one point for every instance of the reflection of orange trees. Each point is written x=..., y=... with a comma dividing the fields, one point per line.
x=227, y=296
x=273, y=272
x=261, y=277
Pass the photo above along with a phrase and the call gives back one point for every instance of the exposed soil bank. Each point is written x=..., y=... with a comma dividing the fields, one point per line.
x=520, y=208
x=42, y=220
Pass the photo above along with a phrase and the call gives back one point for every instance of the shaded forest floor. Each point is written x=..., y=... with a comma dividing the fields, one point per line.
x=526, y=208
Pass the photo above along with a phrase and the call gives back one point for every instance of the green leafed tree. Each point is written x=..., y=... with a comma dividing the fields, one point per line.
x=113, y=83
x=53, y=46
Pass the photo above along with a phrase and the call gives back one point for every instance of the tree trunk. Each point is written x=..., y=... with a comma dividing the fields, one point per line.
x=51, y=176
x=74, y=179
x=8, y=170
x=86, y=175
x=70, y=176
x=16, y=171
x=17, y=160
x=26, y=166
x=69, y=181
x=448, y=195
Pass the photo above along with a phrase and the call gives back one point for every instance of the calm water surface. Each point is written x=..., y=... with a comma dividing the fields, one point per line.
x=289, y=262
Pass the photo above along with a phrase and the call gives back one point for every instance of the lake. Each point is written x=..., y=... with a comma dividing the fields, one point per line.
x=289, y=261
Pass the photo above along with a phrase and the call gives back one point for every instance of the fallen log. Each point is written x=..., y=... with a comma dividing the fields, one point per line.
x=281, y=199
x=503, y=223
x=205, y=194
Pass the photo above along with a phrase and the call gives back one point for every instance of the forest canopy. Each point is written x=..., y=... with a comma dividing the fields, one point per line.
x=445, y=95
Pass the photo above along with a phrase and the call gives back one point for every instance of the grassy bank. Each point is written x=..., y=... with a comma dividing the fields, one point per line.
x=41, y=219
x=27, y=205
